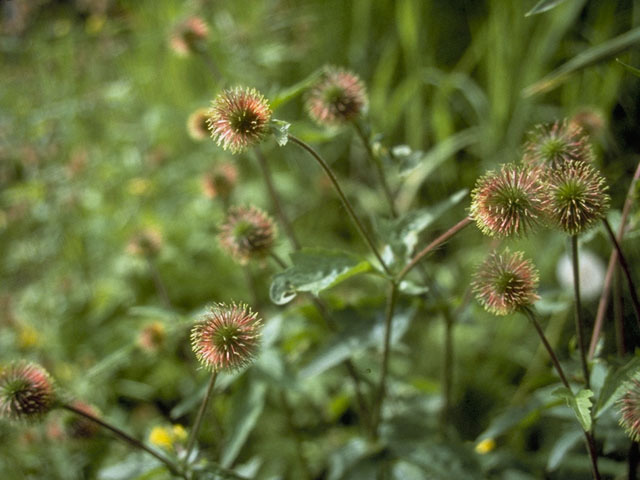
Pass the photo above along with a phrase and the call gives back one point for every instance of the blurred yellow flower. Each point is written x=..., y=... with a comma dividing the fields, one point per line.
x=161, y=437
x=179, y=433
x=486, y=446
x=28, y=337
x=139, y=186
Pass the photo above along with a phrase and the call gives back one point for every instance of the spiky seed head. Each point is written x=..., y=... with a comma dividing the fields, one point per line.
x=220, y=181
x=509, y=202
x=553, y=145
x=80, y=427
x=227, y=337
x=576, y=196
x=248, y=233
x=629, y=409
x=26, y=392
x=188, y=36
x=338, y=97
x=505, y=282
x=197, y=124
x=239, y=118
x=152, y=337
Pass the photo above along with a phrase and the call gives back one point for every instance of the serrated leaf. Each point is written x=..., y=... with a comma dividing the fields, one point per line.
x=543, y=6
x=584, y=59
x=359, y=333
x=244, y=416
x=565, y=443
x=580, y=403
x=401, y=235
x=615, y=383
x=314, y=270
x=629, y=68
x=280, y=130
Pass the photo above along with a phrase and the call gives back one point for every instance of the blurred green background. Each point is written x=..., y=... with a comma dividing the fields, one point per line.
x=94, y=150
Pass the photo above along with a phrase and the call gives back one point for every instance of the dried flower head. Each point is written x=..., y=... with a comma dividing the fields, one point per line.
x=577, y=196
x=197, y=124
x=248, y=233
x=80, y=427
x=147, y=243
x=508, y=202
x=239, y=118
x=220, y=181
x=629, y=408
x=555, y=144
x=26, y=392
x=188, y=36
x=338, y=97
x=152, y=337
x=505, y=283
x=226, y=337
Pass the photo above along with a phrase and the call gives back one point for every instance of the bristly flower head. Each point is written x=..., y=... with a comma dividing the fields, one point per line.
x=338, y=97
x=508, y=202
x=558, y=143
x=629, y=407
x=197, y=124
x=239, y=118
x=227, y=337
x=26, y=392
x=248, y=233
x=188, y=36
x=577, y=197
x=220, y=181
x=505, y=283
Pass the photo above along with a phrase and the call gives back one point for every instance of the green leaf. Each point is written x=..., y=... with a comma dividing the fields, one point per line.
x=543, y=6
x=579, y=403
x=292, y=92
x=314, y=270
x=280, y=130
x=401, y=235
x=510, y=418
x=360, y=332
x=565, y=443
x=247, y=407
x=614, y=385
x=634, y=70
x=585, y=59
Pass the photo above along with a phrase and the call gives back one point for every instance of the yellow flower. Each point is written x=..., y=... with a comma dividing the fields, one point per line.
x=28, y=337
x=179, y=433
x=485, y=446
x=161, y=437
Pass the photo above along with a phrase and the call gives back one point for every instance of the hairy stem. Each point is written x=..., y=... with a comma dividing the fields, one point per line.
x=377, y=409
x=198, y=423
x=441, y=239
x=125, y=437
x=379, y=168
x=343, y=198
x=578, y=309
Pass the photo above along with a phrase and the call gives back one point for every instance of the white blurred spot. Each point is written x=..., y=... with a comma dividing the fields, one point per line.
x=592, y=272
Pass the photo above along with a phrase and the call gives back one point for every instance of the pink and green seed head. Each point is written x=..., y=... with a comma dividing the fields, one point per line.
x=227, y=337
x=248, y=233
x=339, y=97
x=577, y=197
x=26, y=392
x=556, y=144
x=509, y=202
x=239, y=118
x=505, y=283
x=629, y=408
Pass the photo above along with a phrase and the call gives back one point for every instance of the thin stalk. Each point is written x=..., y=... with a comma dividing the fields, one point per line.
x=275, y=200
x=211, y=65
x=343, y=198
x=604, y=298
x=281, y=263
x=379, y=168
x=251, y=285
x=198, y=423
x=593, y=455
x=161, y=289
x=441, y=239
x=377, y=408
x=447, y=368
x=625, y=268
x=578, y=308
x=125, y=437
x=617, y=315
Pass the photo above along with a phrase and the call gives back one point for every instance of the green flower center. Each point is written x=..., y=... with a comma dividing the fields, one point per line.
x=226, y=336
x=506, y=283
x=553, y=148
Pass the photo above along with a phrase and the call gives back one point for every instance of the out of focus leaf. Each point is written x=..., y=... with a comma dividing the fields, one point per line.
x=314, y=270
x=280, y=130
x=359, y=332
x=634, y=70
x=510, y=418
x=347, y=456
x=614, y=385
x=543, y=6
x=565, y=443
x=244, y=416
x=585, y=59
x=580, y=403
x=292, y=92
